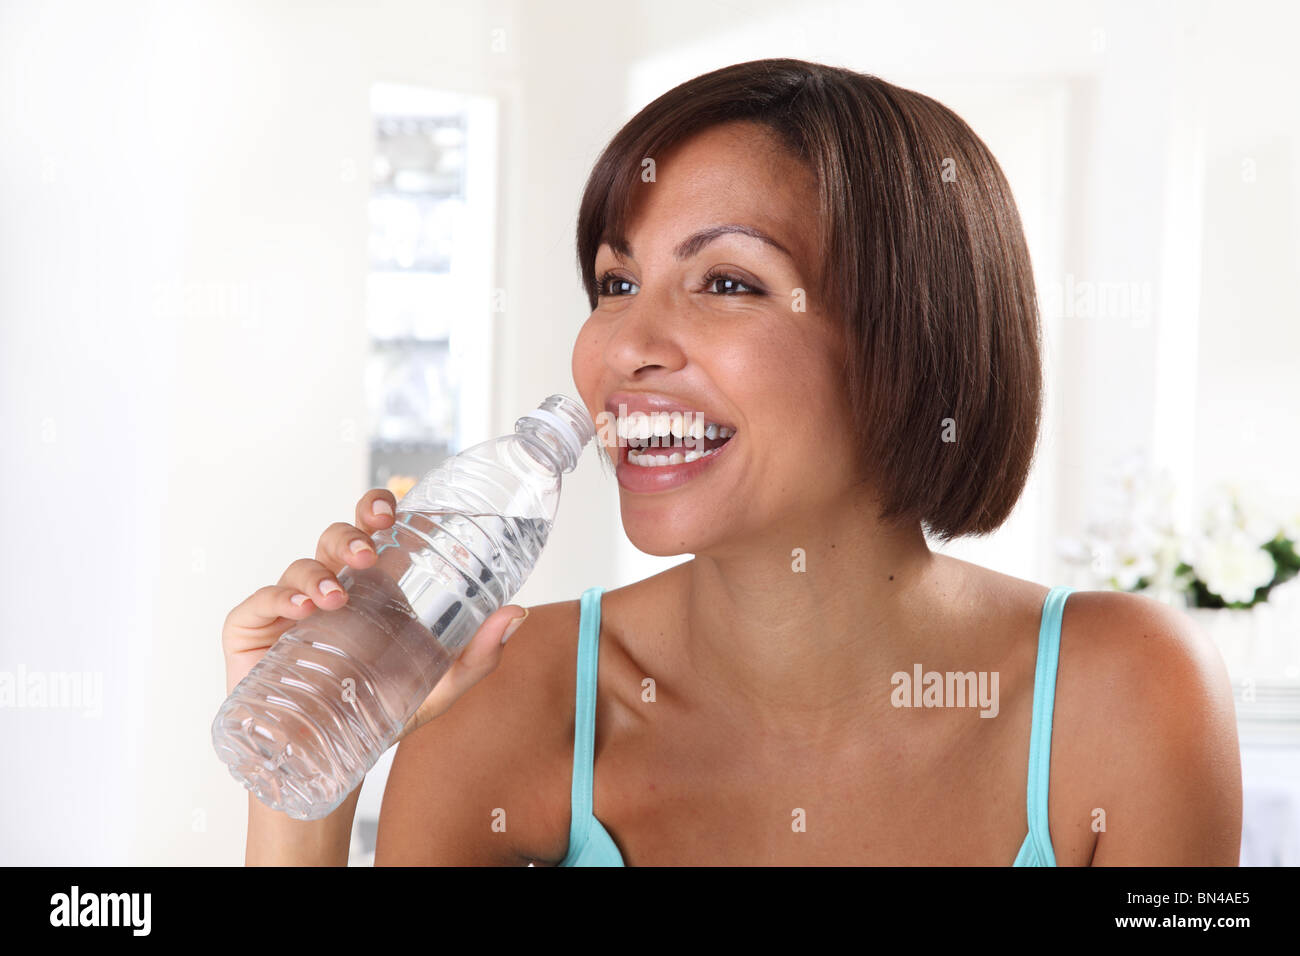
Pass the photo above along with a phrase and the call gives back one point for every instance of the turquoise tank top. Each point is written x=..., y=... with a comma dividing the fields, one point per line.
x=591, y=845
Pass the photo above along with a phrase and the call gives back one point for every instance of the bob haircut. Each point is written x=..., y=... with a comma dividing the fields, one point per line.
x=923, y=260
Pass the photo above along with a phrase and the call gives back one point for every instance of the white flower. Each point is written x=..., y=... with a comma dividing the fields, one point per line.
x=1132, y=537
x=1252, y=510
x=1257, y=516
x=1291, y=528
x=1132, y=568
x=1234, y=566
x=1219, y=517
x=1167, y=557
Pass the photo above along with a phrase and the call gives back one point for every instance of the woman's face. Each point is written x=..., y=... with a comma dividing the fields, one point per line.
x=728, y=325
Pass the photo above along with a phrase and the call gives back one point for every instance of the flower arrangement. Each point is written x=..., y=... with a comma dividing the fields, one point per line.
x=1233, y=557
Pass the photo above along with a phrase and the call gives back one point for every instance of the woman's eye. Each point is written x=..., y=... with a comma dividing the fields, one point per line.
x=720, y=283
x=615, y=285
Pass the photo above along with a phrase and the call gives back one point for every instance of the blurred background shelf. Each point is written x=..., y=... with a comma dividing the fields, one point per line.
x=428, y=292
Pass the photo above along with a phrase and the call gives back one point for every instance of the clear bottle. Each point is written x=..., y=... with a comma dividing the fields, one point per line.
x=333, y=693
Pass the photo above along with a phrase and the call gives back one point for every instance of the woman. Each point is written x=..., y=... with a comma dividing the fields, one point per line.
x=829, y=271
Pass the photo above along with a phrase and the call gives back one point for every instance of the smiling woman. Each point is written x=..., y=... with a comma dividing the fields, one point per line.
x=813, y=322
x=907, y=234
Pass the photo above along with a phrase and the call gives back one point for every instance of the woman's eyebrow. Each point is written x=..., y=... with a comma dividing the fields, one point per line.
x=698, y=240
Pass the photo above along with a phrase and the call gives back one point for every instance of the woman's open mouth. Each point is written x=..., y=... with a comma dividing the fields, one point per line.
x=662, y=450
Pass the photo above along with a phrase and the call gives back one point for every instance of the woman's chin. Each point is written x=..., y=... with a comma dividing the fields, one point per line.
x=655, y=536
x=657, y=543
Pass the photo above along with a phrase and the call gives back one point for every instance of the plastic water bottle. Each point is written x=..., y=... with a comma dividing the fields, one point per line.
x=333, y=693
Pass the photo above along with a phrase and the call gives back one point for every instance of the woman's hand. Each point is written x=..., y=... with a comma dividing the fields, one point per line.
x=308, y=584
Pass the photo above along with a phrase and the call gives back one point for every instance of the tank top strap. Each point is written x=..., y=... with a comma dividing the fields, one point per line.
x=584, y=722
x=1040, y=734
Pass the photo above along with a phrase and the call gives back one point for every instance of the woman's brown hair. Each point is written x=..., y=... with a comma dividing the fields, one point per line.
x=923, y=259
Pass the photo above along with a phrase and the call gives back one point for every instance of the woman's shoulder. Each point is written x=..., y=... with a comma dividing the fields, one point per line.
x=1145, y=706
x=1128, y=661
x=504, y=747
x=538, y=681
x=1138, y=652
x=1130, y=638
x=1145, y=767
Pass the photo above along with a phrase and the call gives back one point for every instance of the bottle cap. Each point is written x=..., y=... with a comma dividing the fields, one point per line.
x=569, y=423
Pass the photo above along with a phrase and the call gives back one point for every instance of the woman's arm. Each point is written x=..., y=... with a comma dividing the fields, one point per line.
x=1170, y=782
x=276, y=839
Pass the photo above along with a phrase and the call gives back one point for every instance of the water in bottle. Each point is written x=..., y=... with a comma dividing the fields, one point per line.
x=331, y=695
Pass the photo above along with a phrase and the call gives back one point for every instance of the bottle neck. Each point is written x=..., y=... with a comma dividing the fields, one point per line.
x=559, y=429
x=546, y=445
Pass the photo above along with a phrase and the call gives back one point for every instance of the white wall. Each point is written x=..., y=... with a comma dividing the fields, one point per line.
x=90, y=223
x=1249, y=362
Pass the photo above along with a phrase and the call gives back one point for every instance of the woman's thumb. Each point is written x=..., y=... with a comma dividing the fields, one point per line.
x=517, y=617
x=484, y=651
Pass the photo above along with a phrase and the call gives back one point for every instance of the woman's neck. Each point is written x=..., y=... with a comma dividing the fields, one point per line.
x=789, y=632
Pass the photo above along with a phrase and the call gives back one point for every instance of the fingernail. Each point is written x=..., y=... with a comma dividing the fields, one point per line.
x=513, y=625
x=300, y=599
x=359, y=545
x=328, y=586
x=381, y=507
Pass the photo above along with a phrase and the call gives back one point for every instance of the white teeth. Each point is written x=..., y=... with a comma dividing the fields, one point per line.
x=668, y=429
x=647, y=460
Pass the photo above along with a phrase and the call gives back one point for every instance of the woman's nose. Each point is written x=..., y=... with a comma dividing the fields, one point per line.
x=644, y=336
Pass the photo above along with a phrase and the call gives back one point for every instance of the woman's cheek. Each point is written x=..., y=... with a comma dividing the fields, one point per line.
x=586, y=355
